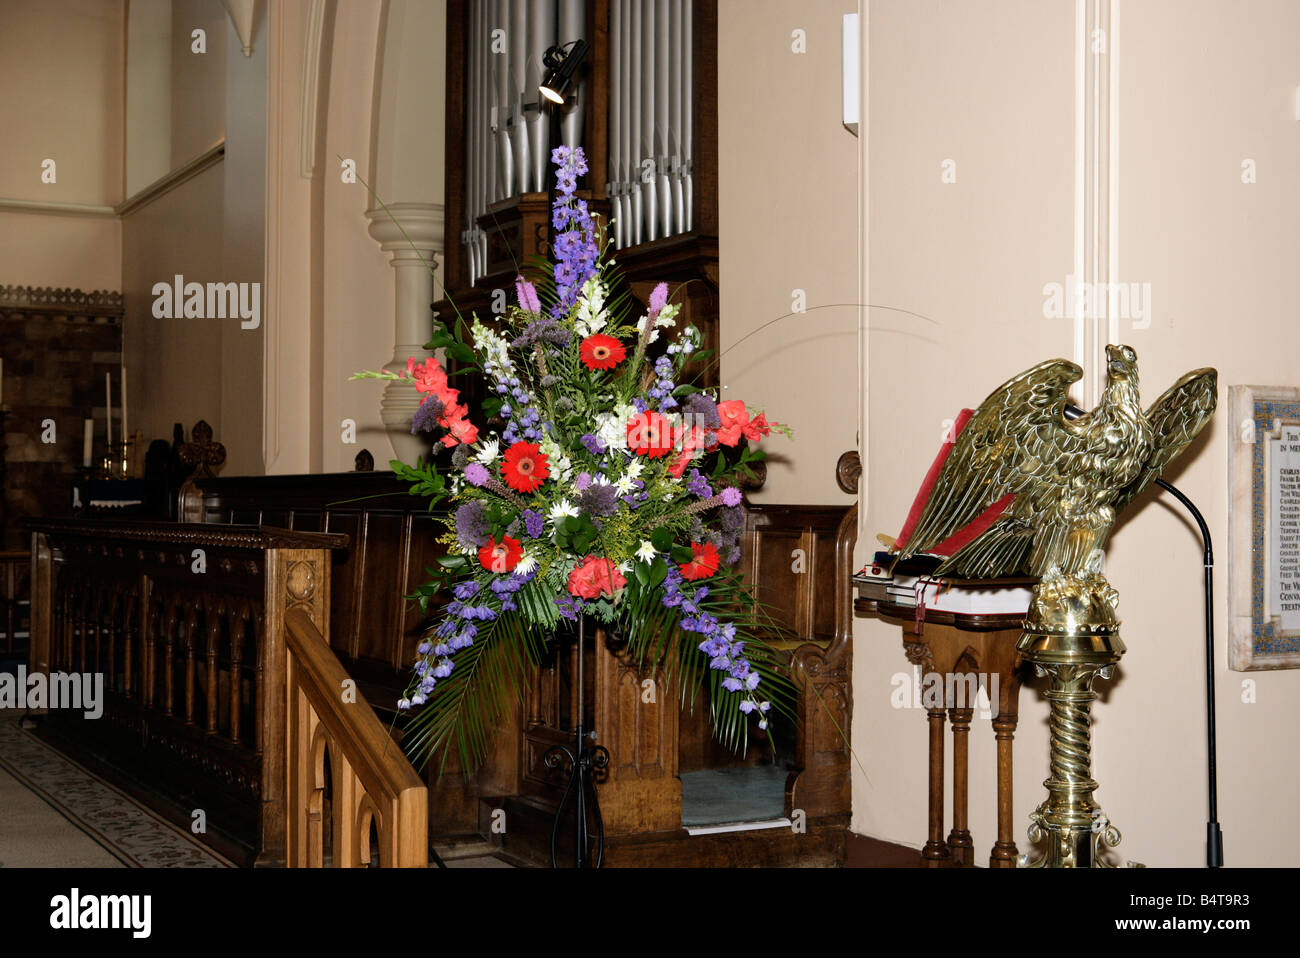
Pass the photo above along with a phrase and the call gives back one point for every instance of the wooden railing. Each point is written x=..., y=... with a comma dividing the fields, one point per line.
x=185, y=623
x=221, y=694
x=377, y=804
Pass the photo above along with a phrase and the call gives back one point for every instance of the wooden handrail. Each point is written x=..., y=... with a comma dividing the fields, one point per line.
x=372, y=781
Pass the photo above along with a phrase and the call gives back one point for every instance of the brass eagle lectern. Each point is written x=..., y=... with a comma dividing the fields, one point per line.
x=1028, y=490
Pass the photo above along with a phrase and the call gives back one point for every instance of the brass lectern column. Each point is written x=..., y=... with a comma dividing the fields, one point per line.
x=1072, y=637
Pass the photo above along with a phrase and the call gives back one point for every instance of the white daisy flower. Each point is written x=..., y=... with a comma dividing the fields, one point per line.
x=624, y=485
x=487, y=452
x=561, y=509
x=526, y=564
x=647, y=551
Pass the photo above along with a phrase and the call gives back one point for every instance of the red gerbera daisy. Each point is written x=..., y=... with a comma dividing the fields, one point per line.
x=650, y=434
x=526, y=467
x=601, y=352
x=704, y=561
x=500, y=557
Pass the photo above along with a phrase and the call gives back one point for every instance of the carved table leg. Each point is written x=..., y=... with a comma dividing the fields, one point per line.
x=1004, y=852
x=935, y=853
x=959, y=839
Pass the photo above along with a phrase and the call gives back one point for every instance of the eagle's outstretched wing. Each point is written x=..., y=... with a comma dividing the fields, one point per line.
x=1175, y=419
x=1012, y=457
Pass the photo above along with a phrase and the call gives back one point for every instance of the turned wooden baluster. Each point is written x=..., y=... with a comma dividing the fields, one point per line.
x=1004, y=852
x=212, y=617
x=236, y=622
x=108, y=665
x=169, y=657
x=959, y=839
x=191, y=667
x=935, y=853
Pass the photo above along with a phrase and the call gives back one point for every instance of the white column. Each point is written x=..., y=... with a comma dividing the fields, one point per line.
x=412, y=258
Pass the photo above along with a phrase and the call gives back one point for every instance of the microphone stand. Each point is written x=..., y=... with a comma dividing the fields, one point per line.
x=1213, y=835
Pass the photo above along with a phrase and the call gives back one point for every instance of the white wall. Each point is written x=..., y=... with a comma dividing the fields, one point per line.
x=1202, y=86
x=61, y=70
x=788, y=224
x=208, y=228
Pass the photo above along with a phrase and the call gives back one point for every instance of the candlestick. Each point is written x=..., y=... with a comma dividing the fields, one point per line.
x=108, y=408
x=87, y=439
x=126, y=432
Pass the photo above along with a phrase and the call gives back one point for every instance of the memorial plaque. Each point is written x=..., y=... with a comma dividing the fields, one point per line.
x=1264, y=528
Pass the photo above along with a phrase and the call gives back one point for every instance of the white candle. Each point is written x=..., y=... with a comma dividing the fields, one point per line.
x=126, y=433
x=86, y=439
x=108, y=408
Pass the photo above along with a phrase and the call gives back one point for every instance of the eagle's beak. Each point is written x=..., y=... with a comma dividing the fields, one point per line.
x=1115, y=361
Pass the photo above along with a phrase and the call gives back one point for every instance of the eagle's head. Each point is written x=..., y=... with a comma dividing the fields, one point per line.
x=1121, y=364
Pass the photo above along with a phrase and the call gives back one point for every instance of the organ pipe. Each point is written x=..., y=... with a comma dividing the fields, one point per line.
x=508, y=133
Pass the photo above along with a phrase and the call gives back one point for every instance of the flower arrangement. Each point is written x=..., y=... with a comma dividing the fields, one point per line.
x=604, y=484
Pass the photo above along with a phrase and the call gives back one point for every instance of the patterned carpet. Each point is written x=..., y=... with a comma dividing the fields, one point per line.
x=96, y=825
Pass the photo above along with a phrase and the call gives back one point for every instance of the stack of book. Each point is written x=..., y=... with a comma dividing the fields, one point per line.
x=910, y=582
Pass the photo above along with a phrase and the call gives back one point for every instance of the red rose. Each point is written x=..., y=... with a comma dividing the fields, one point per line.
x=595, y=577
x=601, y=352
x=525, y=467
x=500, y=557
x=650, y=434
x=704, y=561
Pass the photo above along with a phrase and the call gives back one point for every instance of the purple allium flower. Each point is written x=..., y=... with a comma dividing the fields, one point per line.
x=427, y=416
x=731, y=496
x=599, y=500
x=527, y=296
x=471, y=525
x=476, y=474
x=704, y=411
x=545, y=330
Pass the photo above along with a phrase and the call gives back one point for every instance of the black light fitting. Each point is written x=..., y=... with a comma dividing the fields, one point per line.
x=561, y=64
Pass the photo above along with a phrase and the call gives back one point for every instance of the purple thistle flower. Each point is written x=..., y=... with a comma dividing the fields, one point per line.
x=476, y=474
x=731, y=496
x=471, y=524
x=427, y=416
x=599, y=500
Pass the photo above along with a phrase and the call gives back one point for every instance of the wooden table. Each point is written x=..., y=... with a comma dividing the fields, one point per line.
x=954, y=644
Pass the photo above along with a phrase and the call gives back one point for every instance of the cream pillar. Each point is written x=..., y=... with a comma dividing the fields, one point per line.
x=412, y=258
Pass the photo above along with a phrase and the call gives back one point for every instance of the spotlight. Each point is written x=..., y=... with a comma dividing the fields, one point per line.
x=560, y=68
